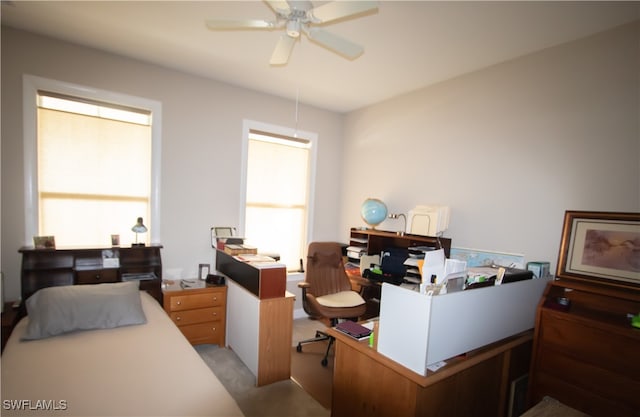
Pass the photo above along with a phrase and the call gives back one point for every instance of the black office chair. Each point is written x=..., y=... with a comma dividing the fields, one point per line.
x=326, y=291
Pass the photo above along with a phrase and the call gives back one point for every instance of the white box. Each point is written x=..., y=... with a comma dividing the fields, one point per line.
x=417, y=330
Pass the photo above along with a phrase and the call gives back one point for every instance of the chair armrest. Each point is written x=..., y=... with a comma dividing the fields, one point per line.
x=304, y=284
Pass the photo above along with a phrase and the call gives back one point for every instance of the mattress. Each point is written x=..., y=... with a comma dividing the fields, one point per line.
x=140, y=370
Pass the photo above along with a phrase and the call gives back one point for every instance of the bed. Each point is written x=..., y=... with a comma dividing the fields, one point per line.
x=129, y=369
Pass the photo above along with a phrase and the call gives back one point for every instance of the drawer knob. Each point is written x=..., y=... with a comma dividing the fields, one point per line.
x=97, y=277
x=215, y=298
x=215, y=314
x=178, y=302
x=213, y=328
x=178, y=318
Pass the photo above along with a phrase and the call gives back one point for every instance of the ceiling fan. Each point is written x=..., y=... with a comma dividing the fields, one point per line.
x=301, y=17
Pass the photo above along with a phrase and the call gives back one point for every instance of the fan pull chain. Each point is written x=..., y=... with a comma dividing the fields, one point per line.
x=295, y=134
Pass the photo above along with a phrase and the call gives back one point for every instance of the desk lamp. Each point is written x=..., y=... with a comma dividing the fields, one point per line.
x=138, y=228
x=395, y=216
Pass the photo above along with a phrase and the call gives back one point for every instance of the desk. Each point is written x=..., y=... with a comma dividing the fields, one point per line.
x=259, y=317
x=367, y=383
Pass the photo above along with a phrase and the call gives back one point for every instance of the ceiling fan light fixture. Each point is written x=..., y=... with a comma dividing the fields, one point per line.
x=293, y=28
x=300, y=16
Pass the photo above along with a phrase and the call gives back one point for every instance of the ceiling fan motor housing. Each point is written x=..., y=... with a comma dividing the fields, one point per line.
x=293, y=28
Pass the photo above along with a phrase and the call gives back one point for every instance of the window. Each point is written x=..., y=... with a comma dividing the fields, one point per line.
x=94, y=170
x=279, y=175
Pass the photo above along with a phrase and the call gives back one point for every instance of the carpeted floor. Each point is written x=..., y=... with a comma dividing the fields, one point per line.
x=307, y=371
x=284, y=398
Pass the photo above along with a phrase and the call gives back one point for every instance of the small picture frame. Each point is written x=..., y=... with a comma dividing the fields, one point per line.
x=44, y=242
x=600, y=246
x=219, y=235
x=203, y=271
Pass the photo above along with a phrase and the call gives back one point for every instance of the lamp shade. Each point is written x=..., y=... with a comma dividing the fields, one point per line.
x=139, y=227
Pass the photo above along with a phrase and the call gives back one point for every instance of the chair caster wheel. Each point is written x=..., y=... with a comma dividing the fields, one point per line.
x=324, y=362
x=298, y=348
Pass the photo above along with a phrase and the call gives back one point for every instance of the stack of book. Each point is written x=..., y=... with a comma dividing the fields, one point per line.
x=240, y=249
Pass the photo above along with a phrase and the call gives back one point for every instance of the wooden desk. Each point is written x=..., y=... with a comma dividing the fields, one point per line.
x=259, y=317
x=367, y=383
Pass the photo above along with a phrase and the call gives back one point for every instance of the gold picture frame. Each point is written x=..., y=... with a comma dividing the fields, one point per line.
x=601, y=246
x=44, y=242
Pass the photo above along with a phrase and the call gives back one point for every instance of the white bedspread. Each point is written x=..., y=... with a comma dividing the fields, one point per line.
x=142, y=370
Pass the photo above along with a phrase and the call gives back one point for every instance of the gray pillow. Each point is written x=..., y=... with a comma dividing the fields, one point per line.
x=56, y=310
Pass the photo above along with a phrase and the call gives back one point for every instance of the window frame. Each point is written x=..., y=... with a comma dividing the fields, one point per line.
x=247, y=127
x=30, y=86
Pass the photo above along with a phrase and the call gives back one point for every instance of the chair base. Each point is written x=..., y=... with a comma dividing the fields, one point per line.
x=320, y=337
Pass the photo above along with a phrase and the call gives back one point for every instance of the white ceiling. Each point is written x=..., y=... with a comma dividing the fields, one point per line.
x=408, y=45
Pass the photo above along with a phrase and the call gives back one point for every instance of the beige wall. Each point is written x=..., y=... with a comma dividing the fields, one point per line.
x=509, y=148
x=201, y=145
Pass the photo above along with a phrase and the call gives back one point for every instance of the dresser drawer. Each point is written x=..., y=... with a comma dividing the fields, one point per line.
x=96, y=276
x=212, y=332
x=191, y=301
x=589, y=344
x=200, y=315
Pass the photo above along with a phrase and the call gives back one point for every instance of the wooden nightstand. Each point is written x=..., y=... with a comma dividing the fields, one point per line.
x=199, y=313
x=9, y=320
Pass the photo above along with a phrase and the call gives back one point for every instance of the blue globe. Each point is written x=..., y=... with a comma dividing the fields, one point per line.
x=373, y=211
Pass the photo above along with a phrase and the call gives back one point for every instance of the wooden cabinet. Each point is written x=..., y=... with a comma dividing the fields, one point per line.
x=260, y=316
x=373, y=241
x=199, y=313
x=96, y=276
x=69, y=266
x=585, y=349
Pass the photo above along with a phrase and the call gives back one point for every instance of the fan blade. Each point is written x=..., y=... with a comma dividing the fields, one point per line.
x=282, y=51
x=336, y=43
x=221, y=24
x=339, y=9
x=279, y=6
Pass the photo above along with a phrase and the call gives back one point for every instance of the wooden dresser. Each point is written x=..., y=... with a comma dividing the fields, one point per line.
x=586, y=353
x=199, y=313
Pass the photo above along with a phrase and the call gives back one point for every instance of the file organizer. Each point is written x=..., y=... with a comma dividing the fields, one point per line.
x=418, y=330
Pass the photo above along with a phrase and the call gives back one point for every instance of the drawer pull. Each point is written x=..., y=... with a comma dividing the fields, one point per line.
x=215, y=314
x=178, y=318
x=178, y=302
x=215, y=298
x=97, y=277
x=213, y=328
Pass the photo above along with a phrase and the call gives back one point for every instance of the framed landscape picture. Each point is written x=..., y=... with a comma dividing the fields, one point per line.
x=600, y=246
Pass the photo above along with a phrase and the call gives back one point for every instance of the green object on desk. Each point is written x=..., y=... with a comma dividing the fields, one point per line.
x=635, y=321
x=371, y=340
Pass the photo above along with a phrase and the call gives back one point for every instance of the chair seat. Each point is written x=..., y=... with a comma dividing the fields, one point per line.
x=341, y=299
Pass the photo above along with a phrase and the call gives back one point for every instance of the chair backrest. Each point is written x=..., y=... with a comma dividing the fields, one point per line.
x=325, y=269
